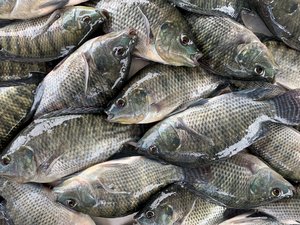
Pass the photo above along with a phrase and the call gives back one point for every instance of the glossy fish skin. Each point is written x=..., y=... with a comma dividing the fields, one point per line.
x=28, y=9
x=163, y=33
x=49, y=149
x=280, y=148
x=35, y=205
x=176, y=205
x=89, y=77
x=219, y=127
x=261, y=220
x=116, y=188
x=242, y=182
x=50, y=37
x=158, y=90
x=289, y=64
x=282, y=19
x=231, y=50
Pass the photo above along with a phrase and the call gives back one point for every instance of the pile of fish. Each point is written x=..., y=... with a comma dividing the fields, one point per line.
x=178, y=112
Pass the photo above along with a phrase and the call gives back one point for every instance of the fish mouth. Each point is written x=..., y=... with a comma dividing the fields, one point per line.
x=110, y=116
x=196, y=58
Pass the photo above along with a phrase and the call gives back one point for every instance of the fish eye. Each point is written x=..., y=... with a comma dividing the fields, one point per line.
x=121, y=102
x=119, y=51
x=150, y=214
x=6, y=160
x=276, y=192
x=185, y=40
x=86, y=19
x=259, y=70
x=153, y=149
x=71, y=203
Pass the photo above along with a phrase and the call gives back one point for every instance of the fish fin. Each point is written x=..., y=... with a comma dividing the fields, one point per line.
x=193, y=103
x=46, y=166
x=259, y=94
x=4, y=215
x=4, y=23
x=55, y=4
x=222, y=88
x=86, y=58
x=36, y=78
x=110, y=189
x=181, y=125
x=149, y=33
x=71, y=111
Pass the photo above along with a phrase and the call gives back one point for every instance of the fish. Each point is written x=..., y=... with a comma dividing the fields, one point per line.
x=50, y=37
x=176, y=205
x=29, y=9
x=116, y=188
x=239, y=85
x=90, y=77
x=217, y=128
x=289, y=64
x=52, y=148
x=164, y=36
x=231, y=8
x=231, y=50
x=286, y=210
x=158, y=90
x=250, y=220
x=35, y=205
x=280, y=148
x=241, y=182
x=281, y=17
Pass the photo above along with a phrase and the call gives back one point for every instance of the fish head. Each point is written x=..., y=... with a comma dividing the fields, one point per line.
x=175, y=46
x=75, y=193
x=268, y=186
x=19, y=165
x=256, y=62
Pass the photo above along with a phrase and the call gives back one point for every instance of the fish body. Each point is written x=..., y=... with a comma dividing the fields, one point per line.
x=163, y=33
x=159, y=90
x=116, y=188
x=49, y=37
x=231, y=50
x=89, y=77
x=51, y=148
x=249, y=220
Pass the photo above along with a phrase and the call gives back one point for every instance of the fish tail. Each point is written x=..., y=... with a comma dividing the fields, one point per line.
x=287, y=107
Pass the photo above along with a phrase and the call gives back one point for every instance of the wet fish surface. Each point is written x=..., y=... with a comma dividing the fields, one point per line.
x=261, y=220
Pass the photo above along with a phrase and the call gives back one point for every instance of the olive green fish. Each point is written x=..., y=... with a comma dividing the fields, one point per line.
x=28, y=9
x=251, y=220
x=282, y=18
x=176, y=205
x=164, y=36
x=35, y=205
x=231, y=50
x=51, y=148
x=116, y=188
x=242, y=181
x=50, y=37
x=289, y=64
x=219, y=127
x=90, y=77
x=158, y=90
x=280, y=148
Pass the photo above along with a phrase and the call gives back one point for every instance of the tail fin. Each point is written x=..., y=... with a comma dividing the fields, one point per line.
x=287, y=107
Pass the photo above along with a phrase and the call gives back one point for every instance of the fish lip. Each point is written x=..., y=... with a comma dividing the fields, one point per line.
x=196, y=58
x=110, y=116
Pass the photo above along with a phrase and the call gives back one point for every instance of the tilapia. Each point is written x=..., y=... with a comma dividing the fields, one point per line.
x=251, y=220
x=28, y=9
x=282, y=18
x=89, y=77
x=219, y=127
x=158, y=90
x=35, y=205
x=50, y=37
x=116, y=188
x=280, y=148
x=51, y=148
x=164, y=36
x=231, y=50
x=289, y=64
x=176, y=205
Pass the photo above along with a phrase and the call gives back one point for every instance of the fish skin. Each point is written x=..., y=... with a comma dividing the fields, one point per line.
x=51, y=148
x=218, y=128
x=240, y=182
x=35, y=205
x=28, y=9
x=158, y=90
x=116, y=188
x=70, y=86
x=280, y=148
x=231, y=50
x=159, y=26
x=259, y=220
x=289, y=64
x=33, y=40
x=175, y=205
x=281, y=17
